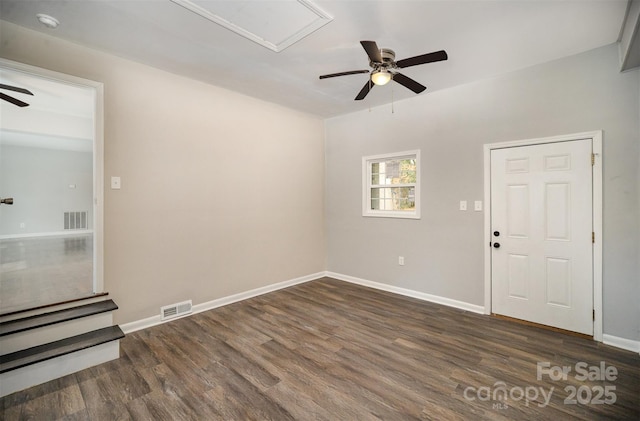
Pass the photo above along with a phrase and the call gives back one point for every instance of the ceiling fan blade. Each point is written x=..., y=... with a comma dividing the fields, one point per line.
x=372, y=51
x=13, y=100
x=409, y=83
x=15, y=89
x=365, y=90
x=352, y=72
x=423, y=59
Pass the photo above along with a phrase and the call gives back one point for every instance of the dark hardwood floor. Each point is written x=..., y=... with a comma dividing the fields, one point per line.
x=330, y=350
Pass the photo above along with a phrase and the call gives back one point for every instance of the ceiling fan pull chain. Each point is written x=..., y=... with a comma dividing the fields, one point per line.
x=392, y=109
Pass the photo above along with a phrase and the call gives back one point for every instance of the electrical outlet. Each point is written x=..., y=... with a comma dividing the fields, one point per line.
x=401, y=260
x=23, y=225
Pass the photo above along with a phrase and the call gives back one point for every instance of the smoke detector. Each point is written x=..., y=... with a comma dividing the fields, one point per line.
x=48, y=21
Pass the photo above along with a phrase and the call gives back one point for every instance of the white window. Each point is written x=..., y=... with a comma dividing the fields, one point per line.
x=391, y=185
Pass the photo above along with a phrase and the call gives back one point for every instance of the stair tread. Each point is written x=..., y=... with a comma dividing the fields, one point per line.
x=55, y=349
x=91, y=296
x=53, y=317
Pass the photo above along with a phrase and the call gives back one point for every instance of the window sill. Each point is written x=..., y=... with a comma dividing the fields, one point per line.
x=388, y=214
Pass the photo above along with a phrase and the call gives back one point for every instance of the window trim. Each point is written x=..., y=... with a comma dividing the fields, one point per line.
x=366, y=185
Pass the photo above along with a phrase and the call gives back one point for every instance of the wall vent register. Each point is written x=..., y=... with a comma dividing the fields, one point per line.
x=75, y=220
x=176, y=310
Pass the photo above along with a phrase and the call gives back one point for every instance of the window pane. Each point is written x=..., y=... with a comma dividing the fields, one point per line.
x=376, y=167
x=408, y=171
x=393, y=171
x=393, y=198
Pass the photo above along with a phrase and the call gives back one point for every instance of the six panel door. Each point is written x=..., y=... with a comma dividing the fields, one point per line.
x=541, y=218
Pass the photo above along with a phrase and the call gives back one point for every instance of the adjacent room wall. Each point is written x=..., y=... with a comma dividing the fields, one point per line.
x=444, y=249
x=39, y=179
x=221, y=193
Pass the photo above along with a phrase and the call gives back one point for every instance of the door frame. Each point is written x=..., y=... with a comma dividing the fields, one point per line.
x=98, y=157
x=596, y=144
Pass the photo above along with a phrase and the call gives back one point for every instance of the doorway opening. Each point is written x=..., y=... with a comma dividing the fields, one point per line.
x=51, y=168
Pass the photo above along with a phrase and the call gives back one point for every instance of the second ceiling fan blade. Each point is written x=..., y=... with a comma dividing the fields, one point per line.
x=352, y=72
x=409, y=83
x=423, y=59
x=365, y=90
x=372, y=51
x=13, y=100
x=15, y=89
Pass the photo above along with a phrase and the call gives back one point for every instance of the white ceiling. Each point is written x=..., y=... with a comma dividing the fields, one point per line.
x=482, y=38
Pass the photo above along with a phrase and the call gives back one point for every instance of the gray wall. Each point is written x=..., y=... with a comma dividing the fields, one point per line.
x=444, y=250
x=38, y=179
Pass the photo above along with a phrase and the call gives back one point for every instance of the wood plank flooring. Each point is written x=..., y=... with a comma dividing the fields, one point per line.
x=330, y=350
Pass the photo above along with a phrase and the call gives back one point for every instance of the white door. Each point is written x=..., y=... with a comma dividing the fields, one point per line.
x=541, y=230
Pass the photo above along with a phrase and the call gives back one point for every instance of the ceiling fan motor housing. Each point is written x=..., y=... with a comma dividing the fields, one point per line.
x=387, y=55
x=388, y=60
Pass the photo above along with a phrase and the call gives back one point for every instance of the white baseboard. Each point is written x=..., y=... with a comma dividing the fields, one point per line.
x=409, y=293
x=622, y=343
x=628, y=344
x=45, y=234
x=209, y=305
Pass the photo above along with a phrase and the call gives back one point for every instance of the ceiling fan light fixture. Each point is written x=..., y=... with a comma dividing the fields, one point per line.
x=380, y=77
x=48, y=21
x=381, y=60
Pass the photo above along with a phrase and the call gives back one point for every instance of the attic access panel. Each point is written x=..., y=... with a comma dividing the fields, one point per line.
x=273, y=24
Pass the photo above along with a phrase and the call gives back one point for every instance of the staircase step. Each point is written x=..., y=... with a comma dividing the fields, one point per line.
x=59, y=316
x=59, y=348
x=30, y=311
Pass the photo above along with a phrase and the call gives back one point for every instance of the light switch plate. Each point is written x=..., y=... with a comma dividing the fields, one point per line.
x=115, y=183
x=477, y=205
x=463, y=205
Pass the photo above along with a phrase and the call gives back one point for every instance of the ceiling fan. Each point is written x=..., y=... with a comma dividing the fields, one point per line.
x=383, y=65
x=11, y=99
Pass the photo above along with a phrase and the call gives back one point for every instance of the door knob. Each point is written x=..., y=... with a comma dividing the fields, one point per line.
x=7, y=201
x=496, y=233
x=496, y=245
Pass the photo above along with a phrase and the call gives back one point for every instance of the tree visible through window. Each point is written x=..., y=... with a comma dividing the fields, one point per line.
x=391, y=185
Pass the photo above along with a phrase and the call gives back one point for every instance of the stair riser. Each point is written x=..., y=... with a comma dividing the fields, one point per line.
x=30, y=338
x=25, y=377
